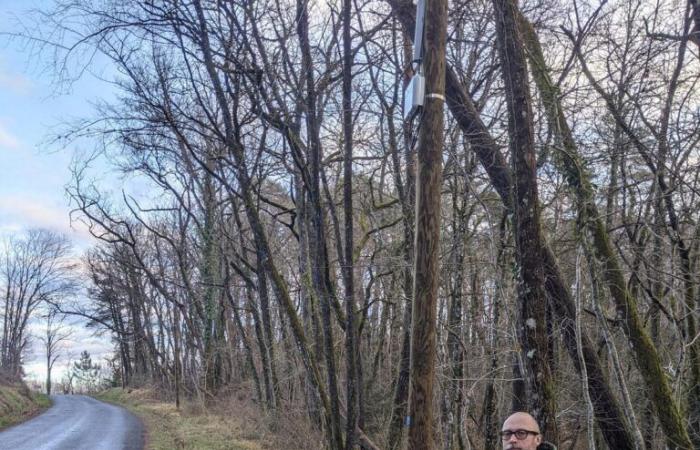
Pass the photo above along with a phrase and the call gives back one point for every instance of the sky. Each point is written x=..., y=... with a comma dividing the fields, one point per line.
x=35, y=172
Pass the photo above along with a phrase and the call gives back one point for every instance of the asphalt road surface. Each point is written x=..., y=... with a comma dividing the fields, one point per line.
x=77, y=422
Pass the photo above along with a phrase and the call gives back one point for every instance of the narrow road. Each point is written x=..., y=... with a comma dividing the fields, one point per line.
x=77, y=422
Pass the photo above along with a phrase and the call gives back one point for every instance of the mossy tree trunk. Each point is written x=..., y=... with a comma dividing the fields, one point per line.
x=572, y=167
x=532, y=302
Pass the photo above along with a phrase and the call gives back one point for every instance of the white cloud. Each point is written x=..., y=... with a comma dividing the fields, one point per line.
x=16, y=84
x=22, y=212
x=7, y=139
x=33, y=213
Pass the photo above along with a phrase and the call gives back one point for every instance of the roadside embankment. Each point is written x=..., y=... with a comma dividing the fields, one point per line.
x=18, y=403
x=191, y=427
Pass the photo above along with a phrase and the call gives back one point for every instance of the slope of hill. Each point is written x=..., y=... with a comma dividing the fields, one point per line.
x=18, y=403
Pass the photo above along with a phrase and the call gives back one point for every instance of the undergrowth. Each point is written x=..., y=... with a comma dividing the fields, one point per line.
x=231, y=422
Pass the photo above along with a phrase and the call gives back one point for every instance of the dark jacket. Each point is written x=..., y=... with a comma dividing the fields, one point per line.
x=546, y=446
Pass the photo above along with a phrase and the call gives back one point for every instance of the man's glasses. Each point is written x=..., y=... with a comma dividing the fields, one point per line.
x=519, y=434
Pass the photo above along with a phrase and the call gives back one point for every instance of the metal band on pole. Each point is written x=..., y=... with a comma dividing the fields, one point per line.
x=434, y=95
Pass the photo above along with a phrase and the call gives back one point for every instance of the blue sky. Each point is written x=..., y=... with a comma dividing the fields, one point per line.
x=33, y=108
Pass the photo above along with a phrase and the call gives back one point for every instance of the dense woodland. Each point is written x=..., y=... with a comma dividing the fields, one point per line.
x=529, y=243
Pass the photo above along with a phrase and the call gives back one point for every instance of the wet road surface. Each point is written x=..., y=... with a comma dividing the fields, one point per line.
x=77, y=422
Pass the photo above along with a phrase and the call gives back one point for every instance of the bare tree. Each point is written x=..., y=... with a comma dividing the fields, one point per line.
x=55, y=333
x=36, y=269
x=282, y=181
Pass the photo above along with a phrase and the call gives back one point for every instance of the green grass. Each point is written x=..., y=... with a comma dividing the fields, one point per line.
x=190, y=428
x=42, y=400
x=17, y=404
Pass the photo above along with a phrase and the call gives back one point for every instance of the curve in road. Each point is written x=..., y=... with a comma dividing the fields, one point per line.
x=77, y=422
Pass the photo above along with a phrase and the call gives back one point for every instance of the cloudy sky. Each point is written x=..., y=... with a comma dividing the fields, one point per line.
x=33, y=109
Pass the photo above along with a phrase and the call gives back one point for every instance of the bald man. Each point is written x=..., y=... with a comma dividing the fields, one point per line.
x=521, y=432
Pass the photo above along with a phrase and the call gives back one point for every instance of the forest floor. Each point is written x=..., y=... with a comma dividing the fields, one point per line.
x=230, y=424
x=18, y=404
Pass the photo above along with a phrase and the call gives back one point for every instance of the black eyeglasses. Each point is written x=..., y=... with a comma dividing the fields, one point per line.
x=519, y=434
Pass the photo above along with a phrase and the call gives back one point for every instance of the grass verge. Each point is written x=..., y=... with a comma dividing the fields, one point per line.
x=190, y=428
x=18, y=404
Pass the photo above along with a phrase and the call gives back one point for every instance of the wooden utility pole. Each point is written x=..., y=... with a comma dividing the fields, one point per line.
x=427, y=230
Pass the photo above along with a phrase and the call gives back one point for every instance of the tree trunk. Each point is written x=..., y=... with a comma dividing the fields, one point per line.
x=319, y=252
x=532, y=327
x=48, y=373
x=267, y=348
x=455, y=352
x=351, y=340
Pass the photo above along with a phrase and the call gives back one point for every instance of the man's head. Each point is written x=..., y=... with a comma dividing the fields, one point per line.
x=520, y=432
